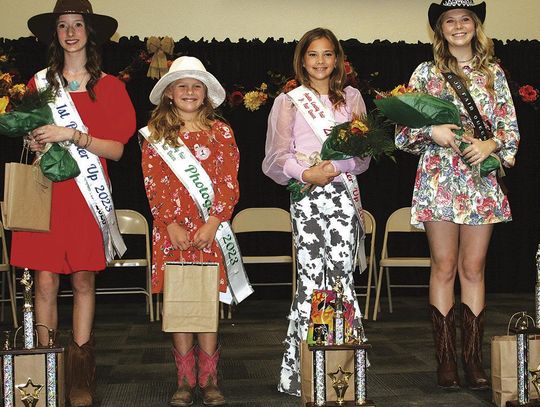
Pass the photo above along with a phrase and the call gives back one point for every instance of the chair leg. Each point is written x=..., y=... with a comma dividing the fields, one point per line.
x=158, y=307
x=3, y=296
x=150, y=298
x=378, y=293
x=368, y=292
x=388, y=289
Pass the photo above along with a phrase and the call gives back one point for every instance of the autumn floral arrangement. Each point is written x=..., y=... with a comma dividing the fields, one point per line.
x=254, y=99
x=11, y=90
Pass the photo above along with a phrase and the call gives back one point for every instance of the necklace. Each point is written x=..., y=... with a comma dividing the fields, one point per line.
x=75, y=84
x=467, y=60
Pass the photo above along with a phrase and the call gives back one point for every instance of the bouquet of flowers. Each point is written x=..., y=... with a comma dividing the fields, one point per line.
x=366, y=136
x=416, y=109
x=29, y=111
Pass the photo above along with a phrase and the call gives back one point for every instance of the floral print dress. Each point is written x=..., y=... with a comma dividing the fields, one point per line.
x=446, y=188
x=170, y=201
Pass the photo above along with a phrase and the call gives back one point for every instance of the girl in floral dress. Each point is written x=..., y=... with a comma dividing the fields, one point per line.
x=186, y=97
x=325, y=223
x=454, y=203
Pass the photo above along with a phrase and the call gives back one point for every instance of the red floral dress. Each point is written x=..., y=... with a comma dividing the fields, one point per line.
x=170, y=201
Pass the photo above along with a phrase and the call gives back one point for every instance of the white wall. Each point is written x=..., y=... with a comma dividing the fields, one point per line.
x=365, y=20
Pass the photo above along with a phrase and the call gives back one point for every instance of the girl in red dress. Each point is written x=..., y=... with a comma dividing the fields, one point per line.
x=74, y=246
x=186, y=97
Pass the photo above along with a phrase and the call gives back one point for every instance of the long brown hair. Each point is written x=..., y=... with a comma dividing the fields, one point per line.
x=93, y=60
x=482, y=48
x=338, y=76
x=166, y=119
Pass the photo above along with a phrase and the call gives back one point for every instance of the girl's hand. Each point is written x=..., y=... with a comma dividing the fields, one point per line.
x=478, y=150
x=445, y=137
x=320, y=174
x=52, y=134
x=179, y=236
x=33, y=145
x=206, y=234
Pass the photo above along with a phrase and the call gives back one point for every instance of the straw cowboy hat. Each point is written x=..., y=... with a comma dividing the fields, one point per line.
x=189, y=67
x=43, y=25
x=435, y=10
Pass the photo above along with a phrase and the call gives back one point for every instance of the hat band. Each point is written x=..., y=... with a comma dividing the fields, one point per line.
x=86, y=11
x=454, y=3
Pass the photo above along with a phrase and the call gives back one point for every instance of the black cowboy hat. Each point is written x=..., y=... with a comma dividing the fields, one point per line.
x=435, y=10
x=43, y=25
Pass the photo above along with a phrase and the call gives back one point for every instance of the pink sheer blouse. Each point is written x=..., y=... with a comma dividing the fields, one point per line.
x=288, y=134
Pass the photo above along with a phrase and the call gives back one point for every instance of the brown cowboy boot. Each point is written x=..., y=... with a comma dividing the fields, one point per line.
x=207, y=378
x=444, y=334
x=185, y=367
x=80, y=373
x=472, y=333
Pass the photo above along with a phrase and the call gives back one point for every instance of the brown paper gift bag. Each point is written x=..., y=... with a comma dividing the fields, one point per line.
x=334, y=359
x=504, y=367
x=27, y=198
x=191, y=297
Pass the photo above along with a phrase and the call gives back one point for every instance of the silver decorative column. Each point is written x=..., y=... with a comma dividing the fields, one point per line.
x=360, y=392
x=28, y=311
x=319, y=377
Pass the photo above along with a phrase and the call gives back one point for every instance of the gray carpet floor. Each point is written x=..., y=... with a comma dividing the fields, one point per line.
x=135, y=366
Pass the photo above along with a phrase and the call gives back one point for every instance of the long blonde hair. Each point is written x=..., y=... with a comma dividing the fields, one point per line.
x=166, y=119
x=482, y=48
x=338, y=76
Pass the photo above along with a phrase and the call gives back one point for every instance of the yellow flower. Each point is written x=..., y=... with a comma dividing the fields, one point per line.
x=3, y=58
x=358, y=126
x=399, y=90
x=17, y=90
x=343, y=135
x=6, y=77
x=264, y=86
x=4, y=101
x=254, y=100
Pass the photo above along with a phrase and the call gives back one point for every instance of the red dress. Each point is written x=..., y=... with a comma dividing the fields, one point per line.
x=74, y=242
x=170, y=201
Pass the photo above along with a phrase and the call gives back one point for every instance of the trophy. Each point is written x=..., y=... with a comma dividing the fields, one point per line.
x=340, y=384
x=346, y=337
x=31, y=376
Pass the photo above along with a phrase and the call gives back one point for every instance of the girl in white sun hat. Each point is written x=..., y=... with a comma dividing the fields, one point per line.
x=184, y=124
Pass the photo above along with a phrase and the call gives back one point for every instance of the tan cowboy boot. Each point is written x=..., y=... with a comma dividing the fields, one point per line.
x=80, y=373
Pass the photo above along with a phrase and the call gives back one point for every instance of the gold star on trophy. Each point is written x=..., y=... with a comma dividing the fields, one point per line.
x=29, y=399
x=340, y=384
x=536, y=379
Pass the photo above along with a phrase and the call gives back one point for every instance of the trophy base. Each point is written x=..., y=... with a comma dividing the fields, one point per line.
x=367, y=403
x=531, y=403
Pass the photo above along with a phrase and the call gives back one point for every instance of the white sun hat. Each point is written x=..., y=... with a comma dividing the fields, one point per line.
x=189, y=67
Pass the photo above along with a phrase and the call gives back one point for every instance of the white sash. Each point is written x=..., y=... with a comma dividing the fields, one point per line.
x=321, y=120
x=92, y=181
x=199, y=185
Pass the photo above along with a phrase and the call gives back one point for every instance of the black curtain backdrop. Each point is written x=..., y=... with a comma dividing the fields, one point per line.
x=385, y=187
